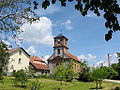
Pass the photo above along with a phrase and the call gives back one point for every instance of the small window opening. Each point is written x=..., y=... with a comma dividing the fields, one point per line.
x=20, y=52
x=19, y=62
x=58, y=51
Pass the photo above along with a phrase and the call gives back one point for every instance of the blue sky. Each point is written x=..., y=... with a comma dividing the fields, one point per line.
x=85, y=34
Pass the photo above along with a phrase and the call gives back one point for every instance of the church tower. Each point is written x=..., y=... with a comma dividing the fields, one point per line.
x=60, y=45
x=61, y=55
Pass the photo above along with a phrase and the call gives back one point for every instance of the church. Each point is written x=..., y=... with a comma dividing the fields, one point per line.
x=61, y=55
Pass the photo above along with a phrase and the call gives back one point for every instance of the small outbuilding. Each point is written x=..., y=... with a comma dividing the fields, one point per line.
x=38, y=66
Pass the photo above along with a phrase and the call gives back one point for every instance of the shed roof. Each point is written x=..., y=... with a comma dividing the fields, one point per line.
x=38, y=63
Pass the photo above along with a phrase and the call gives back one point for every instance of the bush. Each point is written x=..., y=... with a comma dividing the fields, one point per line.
x=20, y=78
x=86, y=77
x=42, y=76
x=116, y=88
x=36, y=85
x=111, y=72
x=64, y=73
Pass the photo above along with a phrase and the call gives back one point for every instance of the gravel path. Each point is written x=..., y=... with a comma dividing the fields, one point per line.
x=115, y=81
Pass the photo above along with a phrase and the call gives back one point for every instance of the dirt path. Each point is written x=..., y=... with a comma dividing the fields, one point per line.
x=115, y=81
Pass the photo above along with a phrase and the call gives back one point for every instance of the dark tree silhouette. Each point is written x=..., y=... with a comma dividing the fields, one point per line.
x=13, y=14
x=110, y=8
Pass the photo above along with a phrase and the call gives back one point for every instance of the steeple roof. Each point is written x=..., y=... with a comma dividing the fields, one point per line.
x=60, y=36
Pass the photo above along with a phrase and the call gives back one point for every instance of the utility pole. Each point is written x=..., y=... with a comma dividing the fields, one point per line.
x=109, y=59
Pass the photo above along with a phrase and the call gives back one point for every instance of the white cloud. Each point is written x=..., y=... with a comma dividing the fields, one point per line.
x=39, y=32
x=45, y=58
x=82, y=57
x=31, y=50
x=91, y=59
x=112, y=58
x=9, y=46
x=50, y=10
x=68, y=24
x=6, y=42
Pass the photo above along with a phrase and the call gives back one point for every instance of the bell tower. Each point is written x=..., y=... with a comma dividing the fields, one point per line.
x=60, y=45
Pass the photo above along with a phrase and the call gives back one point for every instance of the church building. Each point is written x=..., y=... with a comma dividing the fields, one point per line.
x=61, y=55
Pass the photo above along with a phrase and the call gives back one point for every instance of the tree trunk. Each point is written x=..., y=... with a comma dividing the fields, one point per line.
x=96, y=85
x=61, y=82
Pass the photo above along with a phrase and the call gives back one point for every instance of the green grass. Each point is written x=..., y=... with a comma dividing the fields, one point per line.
x=49, y=84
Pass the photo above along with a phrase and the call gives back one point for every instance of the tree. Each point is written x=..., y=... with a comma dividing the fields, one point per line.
x=13, y=14
x=118, y=54
x=98, y=75
x=109, y=8
x=116, y=67
x=111, y=72
x=64, y=73
x=36, y=85
x=20, y=78
x=84, y=75
x=3, y=59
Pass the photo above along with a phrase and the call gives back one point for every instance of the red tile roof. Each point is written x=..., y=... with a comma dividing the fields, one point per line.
x=40, y=66
x=11, y=50
x=72, y=56
x=36, y=58
x=38, y=63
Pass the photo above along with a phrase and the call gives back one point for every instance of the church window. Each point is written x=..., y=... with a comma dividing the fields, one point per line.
x=12, y=67
x=20, y=52
x=58, y=41
x=61, y=39
x=19, y=61
x=58, y=51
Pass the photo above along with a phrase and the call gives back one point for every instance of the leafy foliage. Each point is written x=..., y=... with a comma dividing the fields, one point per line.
x=101, y=73
x=118, y=54
x=20, y=78
x=110, y=9
x=13, y=14
x=36, y=85
x=84, y=75
x=111, y=73
x=116, y=67
x=98, y=75
x=116, y=88
x=3, y=59
x=64, y=73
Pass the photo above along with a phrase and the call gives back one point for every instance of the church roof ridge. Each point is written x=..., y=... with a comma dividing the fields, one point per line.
x=60, y=35
x=72, y=56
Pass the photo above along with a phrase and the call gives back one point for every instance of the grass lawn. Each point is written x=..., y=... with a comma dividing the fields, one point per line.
x=53, y=85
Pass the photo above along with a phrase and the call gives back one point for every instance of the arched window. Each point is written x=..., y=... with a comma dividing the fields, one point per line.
x=19, y=61
x=58, y=51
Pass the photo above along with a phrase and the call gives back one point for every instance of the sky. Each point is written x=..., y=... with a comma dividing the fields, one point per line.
x=85, y=34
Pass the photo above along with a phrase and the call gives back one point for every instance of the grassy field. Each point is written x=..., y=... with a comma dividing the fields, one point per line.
x=48, y=84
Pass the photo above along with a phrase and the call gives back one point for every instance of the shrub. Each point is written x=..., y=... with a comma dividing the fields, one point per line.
x=36, y=85
x=116, y=88
x=20, y=78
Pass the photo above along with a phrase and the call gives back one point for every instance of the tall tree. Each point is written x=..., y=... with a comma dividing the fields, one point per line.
x=98, y=75
x=13, y=14
x=64, y=73
x=109, y=9
x=3, y=59
x=118, y=54
x=20, y=78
